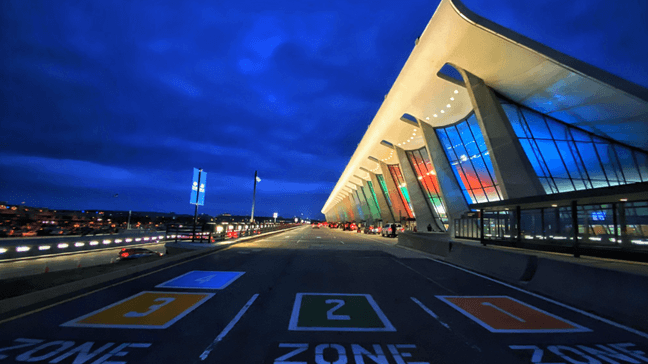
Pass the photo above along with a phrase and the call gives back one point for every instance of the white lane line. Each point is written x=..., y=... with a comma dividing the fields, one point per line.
x=423, y=275
x=429, y=312
x=227, y=329
x=590, y=315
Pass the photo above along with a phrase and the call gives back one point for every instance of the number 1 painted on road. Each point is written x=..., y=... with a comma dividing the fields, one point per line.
x=331, y=316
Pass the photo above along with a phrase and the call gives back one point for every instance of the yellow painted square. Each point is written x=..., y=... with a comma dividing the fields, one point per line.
x=146, y=310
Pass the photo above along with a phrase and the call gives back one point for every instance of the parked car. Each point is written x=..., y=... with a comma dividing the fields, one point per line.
x=134, y=253
x=387, y=229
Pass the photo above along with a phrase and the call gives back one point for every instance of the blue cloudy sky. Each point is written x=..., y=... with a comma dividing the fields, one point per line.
x=126, y=97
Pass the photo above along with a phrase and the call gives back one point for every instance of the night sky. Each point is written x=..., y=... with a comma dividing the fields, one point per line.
x=111, y=104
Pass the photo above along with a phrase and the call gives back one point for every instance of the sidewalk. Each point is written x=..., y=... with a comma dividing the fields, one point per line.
x=613, y=289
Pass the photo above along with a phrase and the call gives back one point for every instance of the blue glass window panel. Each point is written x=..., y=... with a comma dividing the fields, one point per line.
x=607, y=160
x=447, y=146
x=457, y=144
x=482, y=172
x=568, y=158
x=552, y=159
x=546, y=186
x=512, y=113
x=526, y=145
x=536, y=124
x=468, y=141
x=591, y=161
x=642, y=164
x=579, y=184
x=580, y=136
x=630, y=171
x=564, y=184
x=558, y=130
x=477, y=133
x=489, y=165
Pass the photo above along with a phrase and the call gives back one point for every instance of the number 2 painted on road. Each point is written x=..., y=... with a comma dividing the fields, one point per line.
x=331, y=316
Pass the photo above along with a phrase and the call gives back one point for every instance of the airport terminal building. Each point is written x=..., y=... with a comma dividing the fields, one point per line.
x=489, y=135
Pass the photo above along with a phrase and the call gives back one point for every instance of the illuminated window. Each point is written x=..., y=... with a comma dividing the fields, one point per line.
x=375, y=199
x=470, y=160
x=374, y=210
x=383, y=187
x=401, y=187
x=566, y=158
x=358, y=203
x=427, y=179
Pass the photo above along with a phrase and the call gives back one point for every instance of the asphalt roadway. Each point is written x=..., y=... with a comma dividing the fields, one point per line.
x=314, y=296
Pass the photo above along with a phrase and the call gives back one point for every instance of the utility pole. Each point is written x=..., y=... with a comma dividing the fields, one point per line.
x=253, y=197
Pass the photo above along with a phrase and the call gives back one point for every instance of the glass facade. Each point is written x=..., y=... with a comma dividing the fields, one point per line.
x=373, y=211
x=383, y=187
x=375, y=199
x=399, y=181
x=470, y=160
x=358, y=204
x=566, y=158
x=620, y=224
x=428, y=182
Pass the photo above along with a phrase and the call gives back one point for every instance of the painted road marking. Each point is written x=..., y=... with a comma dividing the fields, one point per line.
x=145, y=310
x=303, y=353
x=590, y=353
x=227, y=328
x=337, y=312
x=200, y=279
x=585, y=313
x=430, y=312
x=503, y=314
x=60, y=350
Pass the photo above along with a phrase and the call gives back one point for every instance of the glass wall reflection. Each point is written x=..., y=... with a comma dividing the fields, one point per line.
x=470, y=160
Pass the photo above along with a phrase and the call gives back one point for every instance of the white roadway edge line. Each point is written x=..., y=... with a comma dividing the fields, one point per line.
x=585, y=313
x=430, y=312
x=227, y=329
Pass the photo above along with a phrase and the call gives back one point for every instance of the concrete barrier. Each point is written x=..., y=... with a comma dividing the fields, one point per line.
x=433, y=243
x=511, y=267
x=622, y=296
x=32, y=298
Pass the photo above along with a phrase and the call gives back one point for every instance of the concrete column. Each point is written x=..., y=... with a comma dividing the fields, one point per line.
x=451, y=194
x=398, y=208
x=357, y=212
x=363, y=204
x=386, y=214
x=424, y=215
x=514, y=172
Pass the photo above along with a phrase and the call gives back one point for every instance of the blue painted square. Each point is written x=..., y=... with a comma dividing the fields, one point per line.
x=201, y=279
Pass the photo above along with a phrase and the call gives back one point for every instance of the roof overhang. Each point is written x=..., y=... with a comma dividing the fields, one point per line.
x=517, y=67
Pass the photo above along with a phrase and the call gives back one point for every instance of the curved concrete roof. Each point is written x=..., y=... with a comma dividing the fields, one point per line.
x=520, y=68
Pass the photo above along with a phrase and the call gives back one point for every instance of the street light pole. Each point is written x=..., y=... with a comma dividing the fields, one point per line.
x=253, y=197
x=193, y=236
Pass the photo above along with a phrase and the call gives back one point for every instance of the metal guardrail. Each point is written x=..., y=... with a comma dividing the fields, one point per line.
x=17, y=248
x=204, y=234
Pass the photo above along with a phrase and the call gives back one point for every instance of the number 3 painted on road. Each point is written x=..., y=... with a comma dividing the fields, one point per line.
x=331, y=316
x=165, y=301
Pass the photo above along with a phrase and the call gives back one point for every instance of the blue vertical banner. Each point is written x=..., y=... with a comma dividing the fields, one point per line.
x=198, y=186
